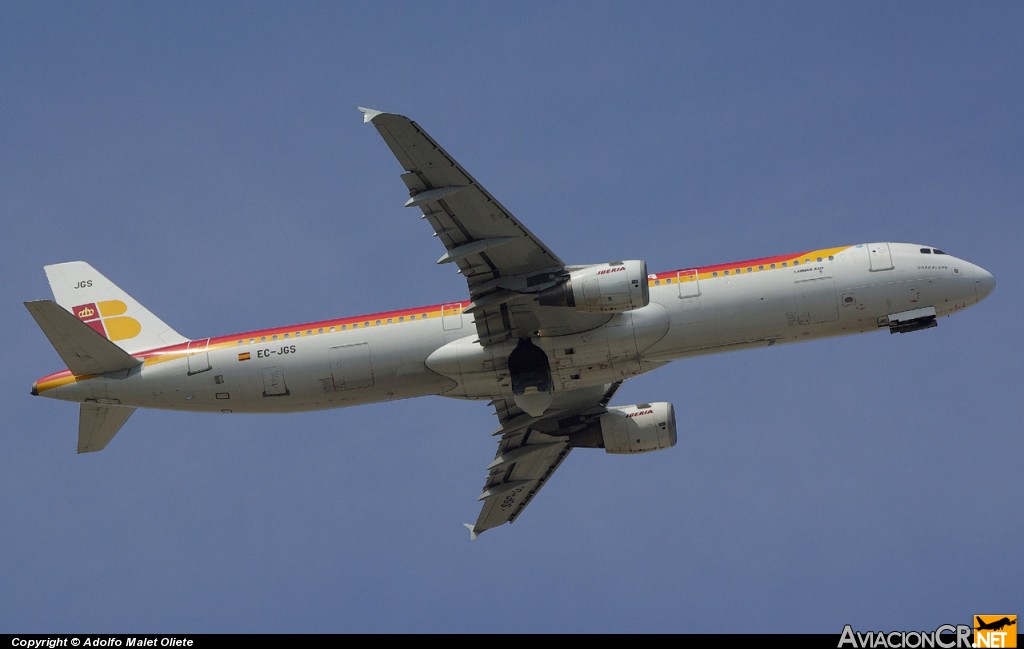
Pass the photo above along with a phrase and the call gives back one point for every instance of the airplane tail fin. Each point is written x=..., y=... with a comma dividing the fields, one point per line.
x=107, y=309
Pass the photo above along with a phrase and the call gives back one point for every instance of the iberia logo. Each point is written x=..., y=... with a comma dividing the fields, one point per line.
x=108, y=319
x=995, y=630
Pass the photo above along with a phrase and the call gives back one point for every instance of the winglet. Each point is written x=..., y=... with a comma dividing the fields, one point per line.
x=369, y=113
x=472, y=532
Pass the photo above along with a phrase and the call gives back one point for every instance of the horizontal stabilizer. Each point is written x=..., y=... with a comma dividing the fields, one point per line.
x=98, y=424
x=81, y=348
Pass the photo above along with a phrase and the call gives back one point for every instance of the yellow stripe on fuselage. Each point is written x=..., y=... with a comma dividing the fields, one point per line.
x=49, y=384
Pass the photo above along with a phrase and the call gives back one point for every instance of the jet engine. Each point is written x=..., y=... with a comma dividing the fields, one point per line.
x=603, y=288
x=639, y=428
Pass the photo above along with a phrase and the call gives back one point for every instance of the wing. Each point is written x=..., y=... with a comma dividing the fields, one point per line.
x=503, y=262
x=530, y=449
x=505, y=266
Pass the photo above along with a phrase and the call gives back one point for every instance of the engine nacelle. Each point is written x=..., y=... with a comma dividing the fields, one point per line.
x=603, y=288
x=640, y=428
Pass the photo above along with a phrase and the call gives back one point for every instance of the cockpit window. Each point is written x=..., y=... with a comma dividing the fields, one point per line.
x=926, y=251
x=938, y=252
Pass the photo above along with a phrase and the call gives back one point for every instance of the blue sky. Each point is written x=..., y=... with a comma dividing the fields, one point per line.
x=208, y=158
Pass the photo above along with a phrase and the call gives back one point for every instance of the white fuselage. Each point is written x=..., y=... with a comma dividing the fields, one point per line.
x=434, y=350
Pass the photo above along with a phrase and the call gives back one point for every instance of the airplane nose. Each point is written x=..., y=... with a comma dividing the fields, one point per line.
x=984, y=283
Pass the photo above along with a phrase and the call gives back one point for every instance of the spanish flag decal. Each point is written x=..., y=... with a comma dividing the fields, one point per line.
x=244, y=356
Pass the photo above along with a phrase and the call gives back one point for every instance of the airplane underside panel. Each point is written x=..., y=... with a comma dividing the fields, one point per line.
x=815, y=300
x=273, y=382
x=351, y=367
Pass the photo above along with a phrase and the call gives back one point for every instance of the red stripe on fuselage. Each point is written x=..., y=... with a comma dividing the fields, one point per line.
x=434, y=310
x=762, y=261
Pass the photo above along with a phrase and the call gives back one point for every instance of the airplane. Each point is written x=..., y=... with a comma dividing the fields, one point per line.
x=995, y=625
x=544, y=342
